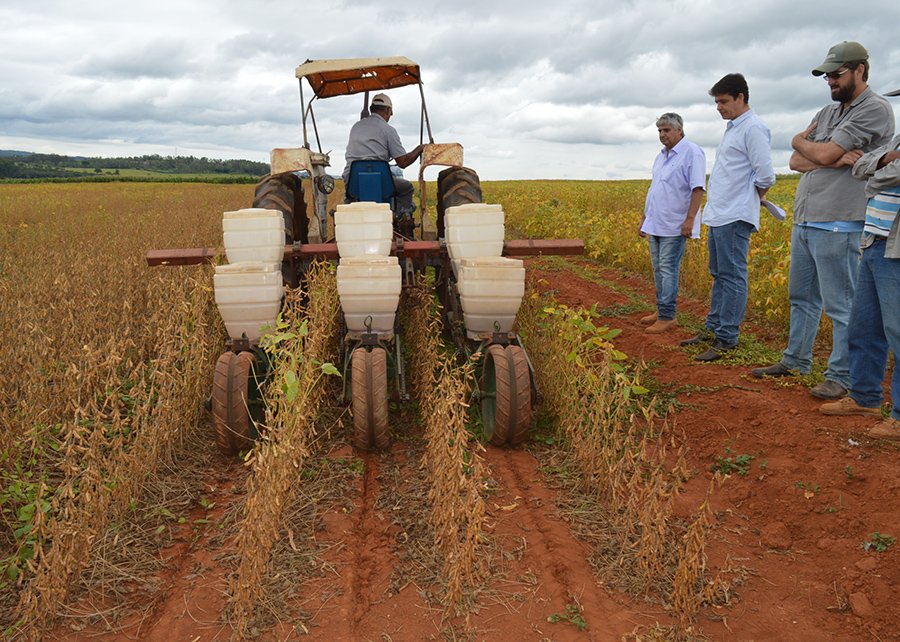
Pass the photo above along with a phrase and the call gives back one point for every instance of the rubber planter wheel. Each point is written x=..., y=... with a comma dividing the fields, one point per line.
x=369, y=399
x=522, y=396
x=456, y=186
x=232, y=423
x=505, y=395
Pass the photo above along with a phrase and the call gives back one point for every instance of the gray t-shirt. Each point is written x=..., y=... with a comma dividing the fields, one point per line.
x=372, y=138
x=828, y=194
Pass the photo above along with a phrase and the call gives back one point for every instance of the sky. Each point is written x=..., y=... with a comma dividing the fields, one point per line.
x=558, y=90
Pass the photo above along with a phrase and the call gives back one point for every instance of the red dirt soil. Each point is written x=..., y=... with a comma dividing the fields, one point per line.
x=816, y=490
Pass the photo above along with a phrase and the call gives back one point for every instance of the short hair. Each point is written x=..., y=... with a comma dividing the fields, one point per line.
x=379, y=108
x=733, y=85
x=853, y=65
x=671, y=119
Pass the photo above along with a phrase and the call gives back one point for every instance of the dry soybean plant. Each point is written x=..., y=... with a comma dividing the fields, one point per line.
x=106, y=362
x=453, y=464
x=632, y=470
x=303, y=344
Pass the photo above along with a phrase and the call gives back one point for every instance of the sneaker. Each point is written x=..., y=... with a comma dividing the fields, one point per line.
x=650, y=318
x=777, y=370
x=887, y=429
x=661, y=325
x=847, y=406
x=715, y=352
x=828, y=390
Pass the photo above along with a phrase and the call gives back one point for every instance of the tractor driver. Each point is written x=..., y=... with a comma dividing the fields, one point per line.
x=372, y=138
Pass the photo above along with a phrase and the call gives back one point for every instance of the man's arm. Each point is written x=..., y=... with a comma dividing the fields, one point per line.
x=822, y=154
x=799, y=163
x=687, y=227
x=759, y=152
x=877, y=160
x=407, y=159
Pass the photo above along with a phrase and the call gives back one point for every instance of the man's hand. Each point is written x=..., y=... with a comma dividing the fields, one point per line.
x=802, y=136
x=687, y=228
x=762, y=193
x=888, y=158
x=849, y=158
x=407, y=159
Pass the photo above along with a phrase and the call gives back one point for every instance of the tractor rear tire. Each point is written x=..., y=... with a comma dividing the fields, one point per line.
x=455, y=186
x=506, y=395
x=369, y=399
x=232, y=421
x=284, y=192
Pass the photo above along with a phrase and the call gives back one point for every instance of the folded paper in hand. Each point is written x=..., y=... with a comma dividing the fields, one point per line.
x=774, y=210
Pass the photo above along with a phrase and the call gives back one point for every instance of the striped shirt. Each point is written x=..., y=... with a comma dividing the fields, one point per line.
x=881, y=211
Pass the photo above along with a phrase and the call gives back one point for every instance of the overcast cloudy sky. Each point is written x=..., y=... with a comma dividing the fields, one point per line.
x=566, y=89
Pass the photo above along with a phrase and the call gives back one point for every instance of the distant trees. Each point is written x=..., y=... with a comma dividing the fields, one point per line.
x=55, y=165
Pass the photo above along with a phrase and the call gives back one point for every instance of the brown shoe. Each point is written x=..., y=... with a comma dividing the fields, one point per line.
x=661, y=325
x=887, y=429
x=847, y=406
x=650, y=318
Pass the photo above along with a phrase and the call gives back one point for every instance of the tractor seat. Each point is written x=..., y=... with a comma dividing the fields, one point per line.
x=370, y=180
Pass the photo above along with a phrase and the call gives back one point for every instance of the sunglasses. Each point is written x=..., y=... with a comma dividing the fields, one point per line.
x=834, y=75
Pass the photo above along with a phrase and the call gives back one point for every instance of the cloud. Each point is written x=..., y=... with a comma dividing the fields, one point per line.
x=531, y=89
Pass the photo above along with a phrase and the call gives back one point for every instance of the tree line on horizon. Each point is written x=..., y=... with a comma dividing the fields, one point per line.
x=27, y=165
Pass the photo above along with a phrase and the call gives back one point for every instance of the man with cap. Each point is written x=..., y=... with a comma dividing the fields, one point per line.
x=829, y=211
x=875, y=318
x=372, y=138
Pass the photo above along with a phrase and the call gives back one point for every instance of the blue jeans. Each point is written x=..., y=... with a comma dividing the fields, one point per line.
x=728, y=247
x=665, y=256
x=875, y=328
x=824, y=266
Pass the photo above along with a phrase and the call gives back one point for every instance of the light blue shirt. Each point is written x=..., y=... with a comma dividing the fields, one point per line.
x=676, y=173
x=743, y=163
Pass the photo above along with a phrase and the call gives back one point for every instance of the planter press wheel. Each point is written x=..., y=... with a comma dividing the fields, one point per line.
x=232, y=421
x=505, y=395
x=369, y=399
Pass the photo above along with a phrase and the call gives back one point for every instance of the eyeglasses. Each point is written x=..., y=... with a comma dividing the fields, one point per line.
x=834, y=75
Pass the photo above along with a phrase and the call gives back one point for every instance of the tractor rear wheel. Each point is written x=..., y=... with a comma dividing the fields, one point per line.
x=505, y=395
x=369, y=399
x=232, y=420
x=284, y=192
x=455, y=186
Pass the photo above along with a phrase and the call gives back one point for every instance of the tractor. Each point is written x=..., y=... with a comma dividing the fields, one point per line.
x=373, y=356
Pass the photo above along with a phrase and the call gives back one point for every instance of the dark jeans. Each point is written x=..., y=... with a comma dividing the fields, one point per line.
x=875, y=328
x=728, y=247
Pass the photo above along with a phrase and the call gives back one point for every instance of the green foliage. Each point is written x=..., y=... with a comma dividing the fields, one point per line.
x=878, y=542
x=739, y=464
x=572, y=614
x=589, y=337
x=45, y=166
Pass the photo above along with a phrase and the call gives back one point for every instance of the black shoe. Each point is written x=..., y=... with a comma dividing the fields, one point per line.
x=715, y=352
x=777, y=370
x=829, y=390
x=702, y=337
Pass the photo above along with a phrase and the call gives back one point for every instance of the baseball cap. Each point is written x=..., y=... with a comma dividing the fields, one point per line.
x=896, y=92
x=840, y=54
x=382, y=100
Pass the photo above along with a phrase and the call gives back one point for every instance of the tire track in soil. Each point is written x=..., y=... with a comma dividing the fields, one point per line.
x=367, y=547
x=361, y=607
x=554, y=561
